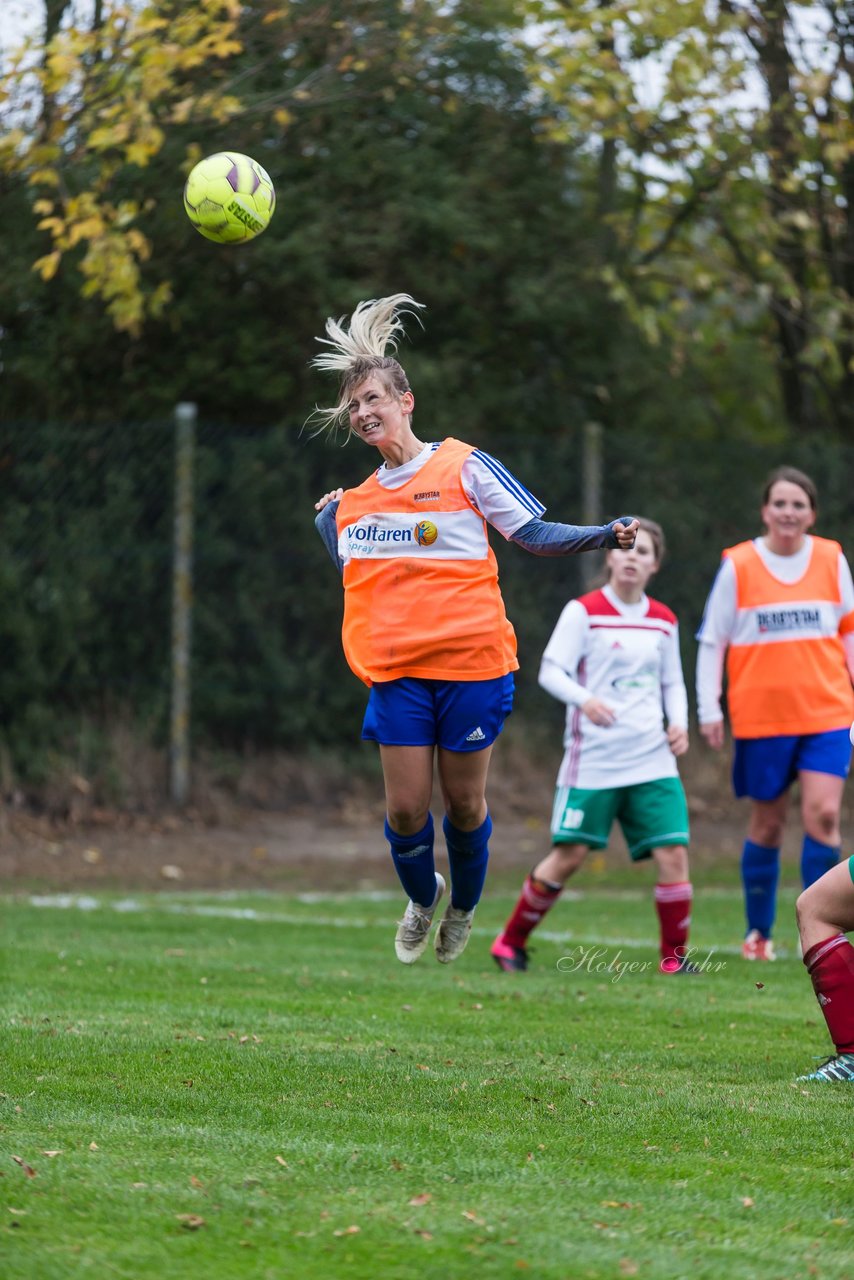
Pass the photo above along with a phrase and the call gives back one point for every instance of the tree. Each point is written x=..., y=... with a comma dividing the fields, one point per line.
x=93, y=106
x=730, y=127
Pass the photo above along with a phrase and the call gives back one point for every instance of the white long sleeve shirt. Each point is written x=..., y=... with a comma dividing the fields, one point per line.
x=719, y=619
x=628, y=656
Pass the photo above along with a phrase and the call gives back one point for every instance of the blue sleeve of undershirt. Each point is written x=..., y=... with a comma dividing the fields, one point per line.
x=548, y=538
x=324, y=523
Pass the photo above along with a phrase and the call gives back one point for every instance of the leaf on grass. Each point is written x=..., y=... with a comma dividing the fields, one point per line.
x=424, y=1198
x=419, y=1066
x=759, y=985
x=282, y=1161
x=51, y=1154
x=190, y=1221
x=472, y=1217
x=93, y=1146
x=196, y=1182
x=747, y=1202
x=348, y=1231
x=27, y=1168
x=628, y=1267
x=425, y=1235
x=19, y=1212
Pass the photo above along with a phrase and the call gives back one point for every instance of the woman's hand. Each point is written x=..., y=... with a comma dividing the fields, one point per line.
x=599, y=712
x=713, y=732
x=625, y=533
x=334, y=495
x=677, y=739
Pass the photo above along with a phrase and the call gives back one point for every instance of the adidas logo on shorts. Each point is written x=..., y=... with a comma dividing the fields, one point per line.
x=476, y=735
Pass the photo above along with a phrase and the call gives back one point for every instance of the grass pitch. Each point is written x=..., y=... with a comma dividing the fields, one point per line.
x=252, y=1086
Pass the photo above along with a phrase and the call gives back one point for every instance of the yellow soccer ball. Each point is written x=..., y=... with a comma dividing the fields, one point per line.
x=229, y=197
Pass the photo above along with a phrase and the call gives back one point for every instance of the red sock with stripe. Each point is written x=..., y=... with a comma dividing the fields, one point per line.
x=536, y=898
x=673, y=904
x=830, y=965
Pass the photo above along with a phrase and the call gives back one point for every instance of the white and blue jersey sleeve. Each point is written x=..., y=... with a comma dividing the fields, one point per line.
x=500, y=498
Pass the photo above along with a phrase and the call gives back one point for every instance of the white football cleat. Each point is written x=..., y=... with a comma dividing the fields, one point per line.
x=452, y=934
x=413, y=931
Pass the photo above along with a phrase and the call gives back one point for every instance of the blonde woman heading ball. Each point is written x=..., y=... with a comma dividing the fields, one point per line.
x=424, y=621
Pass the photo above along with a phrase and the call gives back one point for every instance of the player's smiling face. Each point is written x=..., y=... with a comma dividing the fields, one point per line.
x=787, y=515
x=377, y=416
x=630, y=571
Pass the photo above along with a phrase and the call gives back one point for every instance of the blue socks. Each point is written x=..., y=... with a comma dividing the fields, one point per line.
x=413, y=861
x=468, y=855
x=816, y=858
x=760, y=871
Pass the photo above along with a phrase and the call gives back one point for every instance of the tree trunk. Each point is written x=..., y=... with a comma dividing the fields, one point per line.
x=790, y=307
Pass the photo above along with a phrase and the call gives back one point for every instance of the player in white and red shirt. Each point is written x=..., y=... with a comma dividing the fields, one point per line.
x=614, y=659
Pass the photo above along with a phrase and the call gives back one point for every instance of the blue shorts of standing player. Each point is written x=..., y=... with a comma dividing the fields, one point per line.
x=764, y=769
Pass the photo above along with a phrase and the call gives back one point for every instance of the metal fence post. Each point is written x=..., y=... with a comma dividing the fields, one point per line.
x=591, y=497
x=182, y=602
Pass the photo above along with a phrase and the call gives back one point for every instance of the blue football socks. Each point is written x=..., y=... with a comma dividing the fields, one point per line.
x=816, y=858
x=468, y=856
x=760, y=871
x=413, y=861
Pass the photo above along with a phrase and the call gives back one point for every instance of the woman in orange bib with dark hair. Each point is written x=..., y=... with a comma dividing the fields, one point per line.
x=782, y=610
x=424, y=621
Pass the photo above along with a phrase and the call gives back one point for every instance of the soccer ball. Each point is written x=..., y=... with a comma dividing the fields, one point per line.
x=229, y=197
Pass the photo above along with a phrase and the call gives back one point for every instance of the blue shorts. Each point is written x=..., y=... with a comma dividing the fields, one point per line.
x=459, y=715
x=763, y=768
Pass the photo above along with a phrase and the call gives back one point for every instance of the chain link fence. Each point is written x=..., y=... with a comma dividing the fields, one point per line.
x=87, y=543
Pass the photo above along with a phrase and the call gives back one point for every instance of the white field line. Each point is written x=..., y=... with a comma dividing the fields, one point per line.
x=183, y=907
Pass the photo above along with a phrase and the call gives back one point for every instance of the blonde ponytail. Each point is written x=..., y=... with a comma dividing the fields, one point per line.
x=360, y=349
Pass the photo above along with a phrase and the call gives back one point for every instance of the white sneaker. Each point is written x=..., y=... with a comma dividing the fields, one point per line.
x=410, y=941
x=452, y=934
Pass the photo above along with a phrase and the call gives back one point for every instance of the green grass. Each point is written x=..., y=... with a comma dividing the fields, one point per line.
x=263, y=1063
